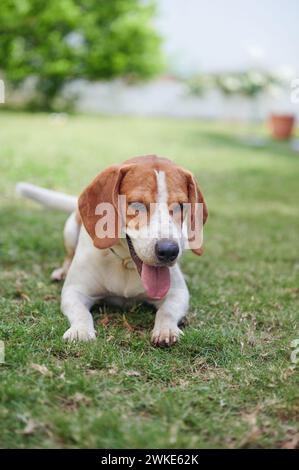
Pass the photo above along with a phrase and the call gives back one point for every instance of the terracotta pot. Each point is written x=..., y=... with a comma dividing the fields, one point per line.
x=281, y=126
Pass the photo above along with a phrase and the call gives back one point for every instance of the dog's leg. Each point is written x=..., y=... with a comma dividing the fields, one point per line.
x=70, y=234
x=76, y=305
x=170, y=311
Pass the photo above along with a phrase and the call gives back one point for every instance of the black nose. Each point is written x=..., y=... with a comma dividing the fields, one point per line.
x=166, y=250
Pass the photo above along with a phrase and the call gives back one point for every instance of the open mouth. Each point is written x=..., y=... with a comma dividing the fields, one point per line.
x=155, y=279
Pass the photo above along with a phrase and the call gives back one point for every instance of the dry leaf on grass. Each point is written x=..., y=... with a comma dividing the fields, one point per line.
x=254, y=431
x=113, y=370
x=126, y=324
x=292, y=442
x=104, y=321
x=30, y=427
x=132, y=373
x=24, y=296
x=92, y=372
x=81, y=398
x=33, y=427
x=75, y=401
x=20, y=293
x=42, y=369
x=50, y=297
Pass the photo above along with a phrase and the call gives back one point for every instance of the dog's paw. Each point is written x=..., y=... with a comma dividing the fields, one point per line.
x=58, y=274
x=79, y=333
x=166, y=335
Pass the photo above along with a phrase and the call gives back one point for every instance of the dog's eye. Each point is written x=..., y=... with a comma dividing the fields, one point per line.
x=176, y=208
x=137, y=207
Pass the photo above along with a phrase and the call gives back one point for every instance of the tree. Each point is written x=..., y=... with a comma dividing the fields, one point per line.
x=57, y=41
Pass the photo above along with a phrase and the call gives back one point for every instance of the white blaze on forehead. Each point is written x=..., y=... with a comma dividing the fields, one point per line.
x=162, y=194
x=160, y=222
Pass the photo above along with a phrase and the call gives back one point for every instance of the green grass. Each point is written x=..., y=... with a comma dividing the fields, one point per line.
x=230, y=381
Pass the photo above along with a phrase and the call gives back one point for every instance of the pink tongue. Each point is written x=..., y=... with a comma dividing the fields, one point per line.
x=156, y=280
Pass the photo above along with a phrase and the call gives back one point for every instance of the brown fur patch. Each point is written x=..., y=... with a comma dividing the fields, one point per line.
x=140, y=185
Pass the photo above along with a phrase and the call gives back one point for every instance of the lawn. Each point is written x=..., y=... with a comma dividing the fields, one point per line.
x=230, y=381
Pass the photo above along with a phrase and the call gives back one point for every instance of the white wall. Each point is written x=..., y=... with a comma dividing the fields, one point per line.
x=167, y=97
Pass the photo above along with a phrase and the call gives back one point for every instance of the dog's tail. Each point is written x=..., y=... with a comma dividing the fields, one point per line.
x=47, y=197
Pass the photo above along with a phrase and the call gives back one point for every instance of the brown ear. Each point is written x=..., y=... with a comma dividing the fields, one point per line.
x=104, y=189
x=199, y=214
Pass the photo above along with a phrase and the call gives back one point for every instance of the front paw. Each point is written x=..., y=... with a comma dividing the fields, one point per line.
x=79, y=332
x=58, y=274
x=166, y=334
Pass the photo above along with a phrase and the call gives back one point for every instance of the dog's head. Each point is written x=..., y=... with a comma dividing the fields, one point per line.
x=155, y=205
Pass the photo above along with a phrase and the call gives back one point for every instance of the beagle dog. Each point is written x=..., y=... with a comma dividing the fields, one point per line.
x=123, y=240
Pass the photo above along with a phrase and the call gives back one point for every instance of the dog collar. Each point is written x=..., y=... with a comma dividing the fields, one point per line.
x=127, y=262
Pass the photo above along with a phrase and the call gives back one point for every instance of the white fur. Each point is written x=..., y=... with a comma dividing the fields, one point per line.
x=51, y=199
x=97, y=274
x=71, y=234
